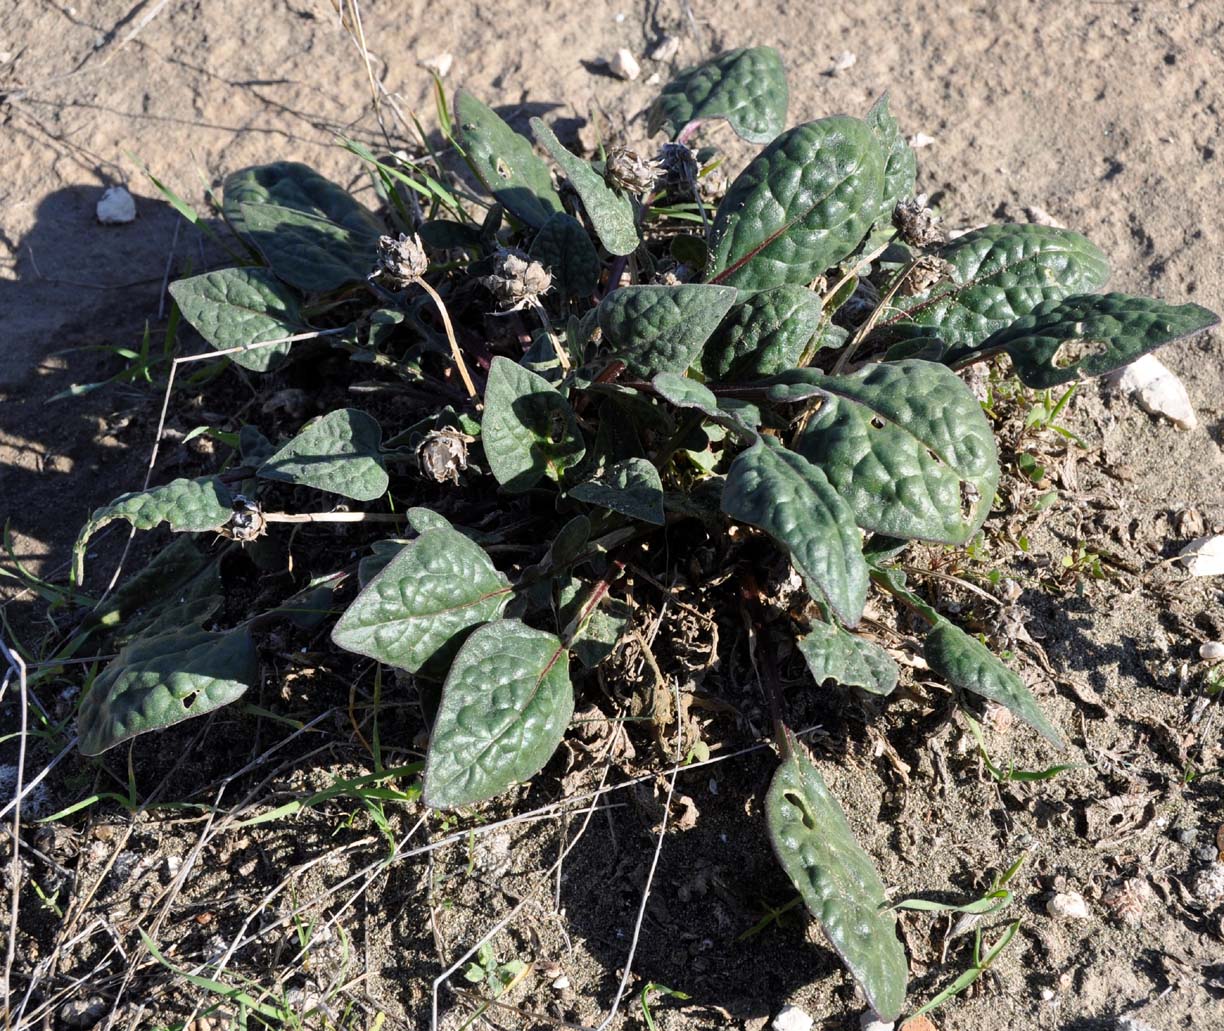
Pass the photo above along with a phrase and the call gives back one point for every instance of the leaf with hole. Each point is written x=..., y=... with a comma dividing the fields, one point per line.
x=763, y=334
x=611, y=213
x=838, y=882
x=158, y=681
x=900, y=162
x=662, y=328
x=237, y=307
x=790, y=499
x=906, y=444
x=1092, y=334
x=340, y=452
x=187, y=505
x=309, y=251
x=505, y=162
x=631, y=487
x=747, y=87
x=528, y=429
x=290, y=184
x=505, y=706
x=965, y=663
x=417, y=611
x=831, y=653
x=800, y=207
x=563, y=247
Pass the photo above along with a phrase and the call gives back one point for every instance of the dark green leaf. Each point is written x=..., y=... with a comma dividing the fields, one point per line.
x=998, y=274
x=339, y=452
x=900, y=162
x=236, y=307
x=740, y=417
x=906, y=444
x=417, y=611
x=181, y=571
x=631, y=487
x=746, y=87
x=817, y=849
x=563, y=247
x=610, y=213
x=783, y=494
x=505, y=162
x=439, y=234
x=505, y=706
x=253, y=447
x=289, y=184
x=1092, y=334
x=833, y=654
x=380, y=556
x=309, y=251
x=662, y=328
x=157, y=681
x=528, y=429
x=763, y=334
x=965, y=663
x=600, y=630
x=802, y=205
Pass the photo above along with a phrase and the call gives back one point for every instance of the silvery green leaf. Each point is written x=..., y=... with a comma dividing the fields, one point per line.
x=762, y=334
x=900, y=162
x=339, y=452
x=740, y=417
x=290, y=184
x=505, y=706
x=309, y=251
x=832, y=653
x=631, y=487
x=598, y=630
x=662, y=328
x=563, y=247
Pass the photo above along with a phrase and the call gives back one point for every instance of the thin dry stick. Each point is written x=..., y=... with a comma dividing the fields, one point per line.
x=450, y=336
x=333, y=517
x=16, y=666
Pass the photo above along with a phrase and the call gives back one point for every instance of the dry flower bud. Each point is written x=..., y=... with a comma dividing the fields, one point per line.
x=918, y=225
x=443, y=455
x=401, y=262
x=626, y=170
x=678, y=164
x=247, y=521
x=925, y=273
x=517, y=280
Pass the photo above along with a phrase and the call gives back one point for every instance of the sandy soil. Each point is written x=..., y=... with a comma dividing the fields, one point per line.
x=1107, y=115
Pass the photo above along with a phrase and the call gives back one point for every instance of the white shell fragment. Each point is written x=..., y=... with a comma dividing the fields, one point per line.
x=1211, y=651
x=116, y=207
x=1158, y=391
x=624, y=65
x=1204, y=556
x=792, y=1018
x=1068, y=905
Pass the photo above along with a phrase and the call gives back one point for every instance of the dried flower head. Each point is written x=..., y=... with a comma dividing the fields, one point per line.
x=443, y=455
x=626, y=170
x=918, y=224
x=247, y=522
x=517, y=281
x=401, y=262
x=924, y=274
x=678, y=165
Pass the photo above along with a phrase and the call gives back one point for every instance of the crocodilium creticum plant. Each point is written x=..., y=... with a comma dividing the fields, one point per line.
x=593, y=358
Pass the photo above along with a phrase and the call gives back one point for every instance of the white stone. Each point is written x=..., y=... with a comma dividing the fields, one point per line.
x=1068, y=905
x=1208, y=886
x=665, y=49
x=1204, y=556
x=116, y=207
x=624, y=65
x=1211, y=651
x=920, y=140
x=792, y=1018
x=561, y=983
x=843, y=62
x=870, y=1022
x=1158, y=391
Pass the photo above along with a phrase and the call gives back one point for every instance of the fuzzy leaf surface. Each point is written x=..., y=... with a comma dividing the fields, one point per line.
x=505, y=706
x=906, y=444
x=1092, y=334
x=631, y=487
x=187, y=505
x=762, y=335
x=817, y=849
x=610, y=213
x=417, y=611
x=290, y=184
x=801, y=206
x=528, y=430
x=236, y=307
x=790, y=499
x=998, y=274
x=833, y=654
x=339, y=453
x=157, y=681
x=309, y=251
x=740, y=417
x=965, y=663
x=662, y=328
x=747, y=87
x=505, y=162
x=900, y=162
x=563, y=247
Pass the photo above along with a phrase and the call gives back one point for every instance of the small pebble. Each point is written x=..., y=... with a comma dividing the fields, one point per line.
x=116, y=207
x=1129, y=1023
x=1204, y=556
x=1157, y=390
x=920, y=140
x=870, y=1022
x=1186, y=835
x=83, y=1012
x=1047, y=994
x=843, y=62
x=1068, y=905
x=1208, y=886
x=624, y=65
x=665, y=49
x=792, y=1018
x=561, y=983
x=1211, y=651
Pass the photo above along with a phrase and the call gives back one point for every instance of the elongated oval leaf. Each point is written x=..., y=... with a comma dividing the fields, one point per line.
x=339, y=453
x=1092, y=334
x=187, y=505
x=817, y=849
x=631, y=487
x=505, y=706
x=783, y=494
x=740, y=417
x=158, y=681
x=237, y=307
x=833, y=654
x=610, y=213
x=309, y=251
x=290, y=184
x=505, y=162
x=563, y=247
x=906, y=444
x=528, y=429
x=747, y=87
x=964, y=662
x=900, y=162
x=417, y=611
x=762, y=335
x=804, y=203
x=662, y=328
x=996, y=275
